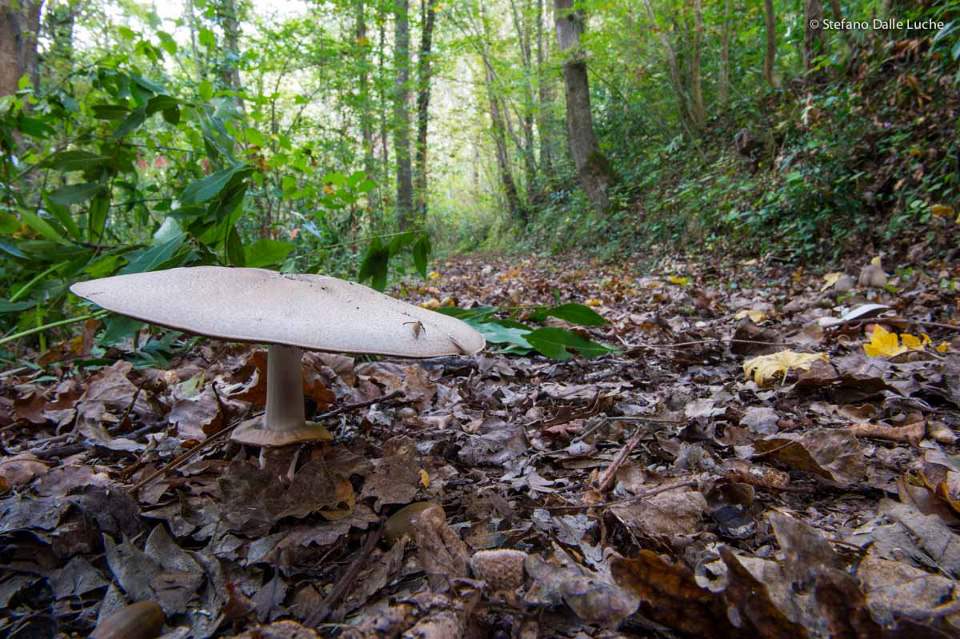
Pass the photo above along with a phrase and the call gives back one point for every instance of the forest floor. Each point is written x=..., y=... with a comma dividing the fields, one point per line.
x=657, y=491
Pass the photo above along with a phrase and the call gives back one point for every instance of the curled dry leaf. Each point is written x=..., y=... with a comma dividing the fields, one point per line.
x=669, y=595
x=765, y=369
x=829, y=453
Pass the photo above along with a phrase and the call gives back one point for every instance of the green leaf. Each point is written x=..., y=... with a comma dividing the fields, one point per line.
x=556, y=343
x=209, y=187
x=374, y=265
x=118, y=328
x=206, y=37
x=234, y=248
x=34, y=127
x=110, y=111
x=41, y=226
x=73, y=161
x=8, y=224
x=205, y=89
x=160, y=103
x=574, y=313
x=267, y=252
x=74, y=193
x=153, y=257
x=131, y=124
x=97, y=215
x=497, y=333
x=421, y=254
x=104, y=266
x=6, y=306
x=172, y=115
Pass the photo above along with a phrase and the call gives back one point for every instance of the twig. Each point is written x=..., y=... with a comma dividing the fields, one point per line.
x=606, y=479
x=629, y=500
x=180, y=460
x=346, y=581
x=350, y=407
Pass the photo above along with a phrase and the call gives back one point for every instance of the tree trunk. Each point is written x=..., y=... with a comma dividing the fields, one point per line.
x=592, y=167
x=516, y=209
x=771, y=54
x=498, y=127
x=227, y=16
x=698, y=111
x=19, y=26
x=723, y=83
x=520, y=21
x=366, y=113
x=543, y=95
x=812, y=32
x=401, y=113
x=676, y=78
x=429, y=16
x=382, y=97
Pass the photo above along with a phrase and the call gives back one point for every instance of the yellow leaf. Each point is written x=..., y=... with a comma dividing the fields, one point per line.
x=830, y=279
x=876, y=261
x=765, y=368
x=755, y=316
x=593, y=301
x=913, y=342
x=679, y=280
x=424, y=478
x=943, y=347
x=883, y=343
x=433, y=275
x=942, y=210
x=431, y=304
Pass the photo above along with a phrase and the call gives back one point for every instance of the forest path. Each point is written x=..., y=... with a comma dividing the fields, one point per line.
x=801, y=503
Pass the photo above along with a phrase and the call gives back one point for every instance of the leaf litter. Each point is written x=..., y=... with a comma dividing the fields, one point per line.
x=697, y=452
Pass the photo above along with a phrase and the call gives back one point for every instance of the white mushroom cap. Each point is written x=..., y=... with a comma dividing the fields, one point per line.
x=255, y=305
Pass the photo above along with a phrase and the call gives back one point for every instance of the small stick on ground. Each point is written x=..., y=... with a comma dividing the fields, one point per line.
x=610, y=473
x=346, y=581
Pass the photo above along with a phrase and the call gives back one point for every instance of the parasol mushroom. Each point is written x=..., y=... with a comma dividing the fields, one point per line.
x=289, y=312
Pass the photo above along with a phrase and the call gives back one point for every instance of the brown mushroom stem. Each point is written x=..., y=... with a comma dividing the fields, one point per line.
x=285, y=410
x=285, y=420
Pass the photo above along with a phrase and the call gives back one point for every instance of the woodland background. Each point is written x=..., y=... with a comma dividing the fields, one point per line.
x=342, y=136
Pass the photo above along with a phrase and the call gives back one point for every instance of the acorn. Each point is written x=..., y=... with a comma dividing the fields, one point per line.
x=142, y=620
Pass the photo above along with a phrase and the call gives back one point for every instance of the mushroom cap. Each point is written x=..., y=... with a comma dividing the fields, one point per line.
x=256, y=305
x=501, y=568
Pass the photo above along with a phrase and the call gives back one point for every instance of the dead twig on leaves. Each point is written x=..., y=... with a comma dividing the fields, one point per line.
x=346, y=581
x=610, y=473
x=629, y=500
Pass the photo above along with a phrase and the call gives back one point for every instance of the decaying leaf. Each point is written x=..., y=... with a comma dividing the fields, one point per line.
x=764, y=369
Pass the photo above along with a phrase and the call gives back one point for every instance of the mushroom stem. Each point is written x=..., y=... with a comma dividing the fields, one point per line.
x=285, y=411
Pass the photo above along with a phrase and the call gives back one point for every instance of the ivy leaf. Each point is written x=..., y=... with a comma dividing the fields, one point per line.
x=556, y=343
x=571, y=312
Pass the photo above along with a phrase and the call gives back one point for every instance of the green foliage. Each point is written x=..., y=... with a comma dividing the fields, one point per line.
x=517, y=338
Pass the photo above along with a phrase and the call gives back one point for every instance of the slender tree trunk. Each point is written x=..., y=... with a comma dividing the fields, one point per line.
x=592, y=167
x=770, y=58
x=19, y=26
x=228, y=17
x=813, y=45
x=429, y=16
x=520, y=21
x=673, y=69
x=384, y=119
x=697, y=109
x=543, y=95
x=723, y=83
x=401, y=113
x=498, y=121
x=366, y=112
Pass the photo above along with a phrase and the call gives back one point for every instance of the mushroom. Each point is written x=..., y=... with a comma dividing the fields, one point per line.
x=289, y=312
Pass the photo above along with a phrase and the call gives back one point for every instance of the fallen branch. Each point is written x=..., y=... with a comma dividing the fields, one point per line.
x=911, y=434
x=346, y=581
